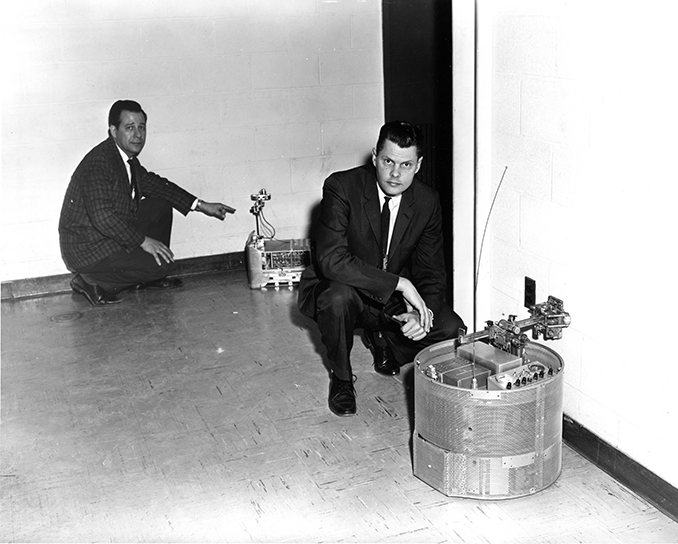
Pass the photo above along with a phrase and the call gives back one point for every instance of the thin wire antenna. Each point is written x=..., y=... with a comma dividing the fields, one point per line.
x=475, y=156
x=482, y=240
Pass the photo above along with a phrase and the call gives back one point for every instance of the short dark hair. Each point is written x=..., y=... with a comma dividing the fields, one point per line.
x=402, y=134
x=123, y=105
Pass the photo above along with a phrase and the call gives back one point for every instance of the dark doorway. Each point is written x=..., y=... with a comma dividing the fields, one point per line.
x=418, y=88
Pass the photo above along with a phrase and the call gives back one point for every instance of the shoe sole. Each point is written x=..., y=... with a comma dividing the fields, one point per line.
x=346, y=414
x=157, y=288
x=387, y=373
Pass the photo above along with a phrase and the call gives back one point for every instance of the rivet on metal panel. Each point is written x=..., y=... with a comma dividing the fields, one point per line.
x=514, y=461
x=485, y=395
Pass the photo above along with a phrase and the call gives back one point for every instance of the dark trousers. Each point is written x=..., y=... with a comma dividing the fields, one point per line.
x=122, y=270
x=340, y=309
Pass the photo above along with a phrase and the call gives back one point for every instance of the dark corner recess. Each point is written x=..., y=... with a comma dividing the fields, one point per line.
x=622, y=468
x=417, y=47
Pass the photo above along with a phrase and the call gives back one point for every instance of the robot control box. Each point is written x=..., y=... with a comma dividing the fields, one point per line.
x=494, y=359
x=458, y=371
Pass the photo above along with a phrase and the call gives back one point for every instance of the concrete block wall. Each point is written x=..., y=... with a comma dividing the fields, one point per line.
x=240, y=94
x=584, y=116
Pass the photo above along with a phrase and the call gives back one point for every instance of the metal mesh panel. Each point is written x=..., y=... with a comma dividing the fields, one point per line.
x=488, y=444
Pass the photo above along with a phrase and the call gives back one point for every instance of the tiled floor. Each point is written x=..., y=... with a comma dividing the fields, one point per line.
x=201, y=415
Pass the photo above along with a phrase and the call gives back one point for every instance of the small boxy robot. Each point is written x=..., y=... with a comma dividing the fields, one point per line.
x=272, y=262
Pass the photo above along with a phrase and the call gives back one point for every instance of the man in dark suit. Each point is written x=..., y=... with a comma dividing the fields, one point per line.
x=116, y=217
x=379, y=264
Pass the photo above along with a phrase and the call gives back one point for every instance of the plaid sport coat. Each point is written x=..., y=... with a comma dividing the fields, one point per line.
x=98, y=210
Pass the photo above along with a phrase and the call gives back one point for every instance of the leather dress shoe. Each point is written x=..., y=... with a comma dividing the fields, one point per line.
x=95, y=294
x=342, y=397
x=384, y=362
x=164, y=283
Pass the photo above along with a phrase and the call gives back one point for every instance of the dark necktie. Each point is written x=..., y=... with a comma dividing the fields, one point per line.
x=385, y=221
x=135, y=186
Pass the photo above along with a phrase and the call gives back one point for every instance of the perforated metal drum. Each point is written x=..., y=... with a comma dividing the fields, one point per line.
x=488, y=444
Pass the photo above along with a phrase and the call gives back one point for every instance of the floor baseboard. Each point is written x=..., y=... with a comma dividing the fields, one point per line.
x=51, y=285
x=622, y=468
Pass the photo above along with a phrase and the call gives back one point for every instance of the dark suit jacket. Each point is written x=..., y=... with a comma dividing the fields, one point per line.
x=98, y=211
x=347, y=241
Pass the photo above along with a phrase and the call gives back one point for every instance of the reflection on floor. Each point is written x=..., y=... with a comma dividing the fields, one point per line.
x=201, y=415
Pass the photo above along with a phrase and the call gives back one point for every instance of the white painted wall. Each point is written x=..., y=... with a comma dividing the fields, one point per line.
x=584, y=113
x=241, y=95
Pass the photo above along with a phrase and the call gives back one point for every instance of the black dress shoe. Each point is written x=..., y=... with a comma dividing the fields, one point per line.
x=164, y=283
x=342, y=397
x=95, y=294
x=384, y=362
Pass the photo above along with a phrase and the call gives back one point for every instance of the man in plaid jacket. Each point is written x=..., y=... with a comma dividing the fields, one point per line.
x=116, y=217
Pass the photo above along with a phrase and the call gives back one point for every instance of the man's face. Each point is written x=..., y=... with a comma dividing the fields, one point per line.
x=130, y=134
x=396, y=167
